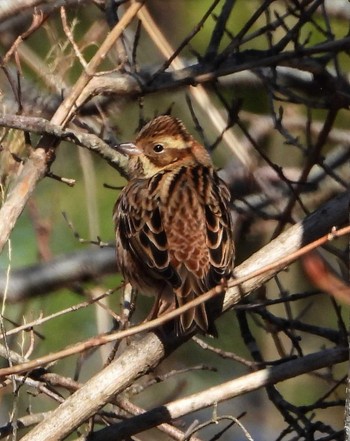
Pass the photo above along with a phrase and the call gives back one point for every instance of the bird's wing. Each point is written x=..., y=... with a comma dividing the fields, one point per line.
x=219, y=231
x=140, y=232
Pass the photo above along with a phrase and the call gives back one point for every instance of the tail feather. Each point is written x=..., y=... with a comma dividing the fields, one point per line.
x=188, y=291
x=168, y=299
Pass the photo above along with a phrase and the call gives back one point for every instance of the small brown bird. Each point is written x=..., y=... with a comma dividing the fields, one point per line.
x=173, y=228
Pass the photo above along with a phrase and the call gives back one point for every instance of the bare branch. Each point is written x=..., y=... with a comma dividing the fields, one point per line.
x=150, y=350
x=217, y=394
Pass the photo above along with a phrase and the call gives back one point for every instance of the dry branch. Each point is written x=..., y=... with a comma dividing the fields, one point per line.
x=39, y=160
x=217, y=394
x=12, y=9
x=237, y=283
x=87, y=140
x=300, y=61
x=58, y=273
x=146, y=353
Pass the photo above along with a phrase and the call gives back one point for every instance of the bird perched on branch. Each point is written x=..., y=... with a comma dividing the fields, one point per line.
x=173, y=228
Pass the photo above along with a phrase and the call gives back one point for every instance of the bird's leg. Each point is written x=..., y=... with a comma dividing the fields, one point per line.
x=128, y=306
x=164, y=302
x=127, y=309
x=154, y=312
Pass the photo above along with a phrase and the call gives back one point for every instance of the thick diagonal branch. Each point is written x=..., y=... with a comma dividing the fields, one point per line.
x=146, y=353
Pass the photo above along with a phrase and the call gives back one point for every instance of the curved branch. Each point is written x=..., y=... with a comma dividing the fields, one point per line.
x=13, y=9
x=146, y=353
x=217, y=394
x=90, y=141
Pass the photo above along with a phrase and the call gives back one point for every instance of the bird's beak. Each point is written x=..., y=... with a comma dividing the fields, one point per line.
x=128, y=148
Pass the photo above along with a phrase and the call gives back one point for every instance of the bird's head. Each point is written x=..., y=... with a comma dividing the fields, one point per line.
x=161, y=144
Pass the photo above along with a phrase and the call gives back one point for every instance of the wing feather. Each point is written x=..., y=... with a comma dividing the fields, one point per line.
x=141, y=237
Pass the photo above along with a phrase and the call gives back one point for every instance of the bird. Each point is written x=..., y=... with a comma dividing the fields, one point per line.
x=174, y=236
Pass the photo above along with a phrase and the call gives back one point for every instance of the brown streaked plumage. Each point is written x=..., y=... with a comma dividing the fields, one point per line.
x=173, y=227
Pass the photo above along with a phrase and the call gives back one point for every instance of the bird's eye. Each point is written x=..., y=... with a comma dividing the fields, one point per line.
x=158, y=148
